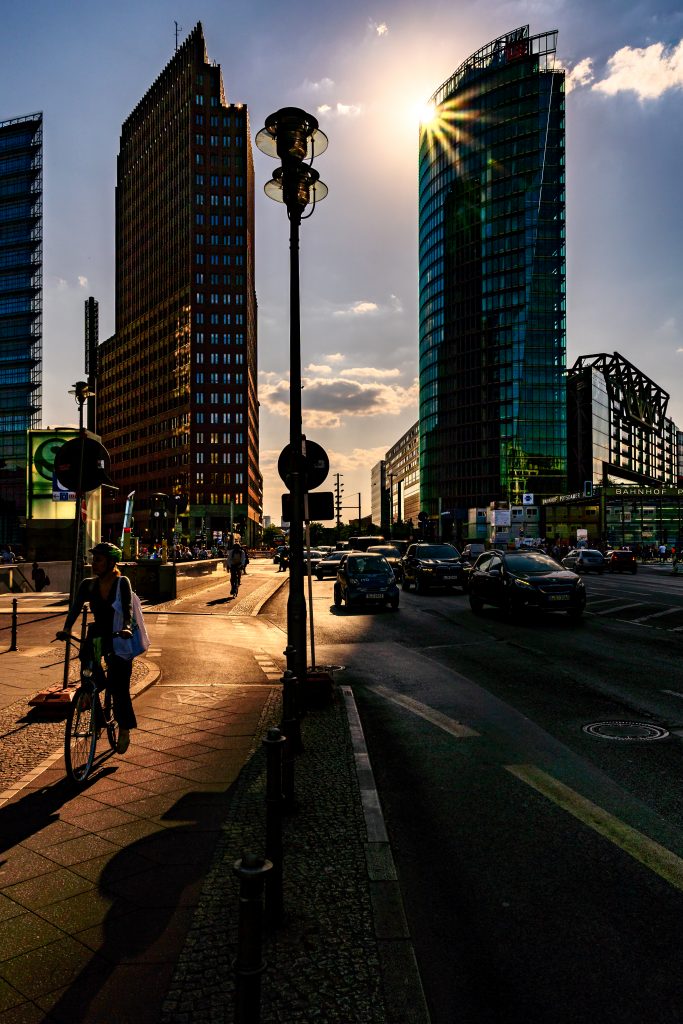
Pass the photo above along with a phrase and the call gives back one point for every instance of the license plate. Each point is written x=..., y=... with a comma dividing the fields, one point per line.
x=450, y=577
x=558, y=597
x=375, y=597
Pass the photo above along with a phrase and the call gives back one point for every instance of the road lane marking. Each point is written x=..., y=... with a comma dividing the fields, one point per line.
x=449, y=725
x=621, y=608
x=674, y=693
x=656, y=615
x=649, y=853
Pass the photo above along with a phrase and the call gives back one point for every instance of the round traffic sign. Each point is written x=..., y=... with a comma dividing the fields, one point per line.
x=316, y=465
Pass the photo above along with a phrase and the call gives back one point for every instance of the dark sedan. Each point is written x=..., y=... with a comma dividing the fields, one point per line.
x=584, y=560
x=518, y=580
x=365, y=579
x=328, y=565
x=392, y=555
x=621, y=561
x=433, y=565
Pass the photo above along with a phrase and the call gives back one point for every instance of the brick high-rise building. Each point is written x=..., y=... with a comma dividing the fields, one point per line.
x=177, y=403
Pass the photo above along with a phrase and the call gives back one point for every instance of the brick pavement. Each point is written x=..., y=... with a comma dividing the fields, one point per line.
x=98, y=888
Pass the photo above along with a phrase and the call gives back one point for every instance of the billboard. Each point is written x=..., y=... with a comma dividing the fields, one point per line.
x=46, y=498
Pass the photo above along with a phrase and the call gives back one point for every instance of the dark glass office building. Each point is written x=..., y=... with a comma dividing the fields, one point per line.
x=492, y=280
x=21, y=291
x=177, y=404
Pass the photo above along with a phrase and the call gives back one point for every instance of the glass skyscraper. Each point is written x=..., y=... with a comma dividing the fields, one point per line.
x=492, y=279
x=21, y=263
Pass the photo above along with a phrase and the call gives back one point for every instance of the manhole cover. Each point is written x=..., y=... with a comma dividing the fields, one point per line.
x=628, y=731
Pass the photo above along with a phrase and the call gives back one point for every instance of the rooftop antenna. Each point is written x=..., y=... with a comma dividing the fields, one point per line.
x=178, y=30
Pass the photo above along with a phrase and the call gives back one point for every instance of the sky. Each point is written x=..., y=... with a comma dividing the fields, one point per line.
x=365, y=69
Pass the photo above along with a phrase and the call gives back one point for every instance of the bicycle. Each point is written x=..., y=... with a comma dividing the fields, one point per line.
x=87, y=718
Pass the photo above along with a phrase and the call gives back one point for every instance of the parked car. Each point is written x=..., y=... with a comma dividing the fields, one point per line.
x=393, y=557
x=585, y=560
x=621, y=561
x=516, y=580
x=365, y=579
x=328, y=565
x=433, y=565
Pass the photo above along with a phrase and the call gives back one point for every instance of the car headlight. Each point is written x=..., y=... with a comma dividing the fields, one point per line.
x=425, y=568
x=522, y=583
x=353, y=581
x=580, y=585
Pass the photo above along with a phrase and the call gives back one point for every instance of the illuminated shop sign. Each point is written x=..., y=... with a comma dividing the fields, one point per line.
x=644, y=492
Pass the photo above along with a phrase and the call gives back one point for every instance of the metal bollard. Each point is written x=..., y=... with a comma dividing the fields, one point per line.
x=249, y=964
x=274, y=744
x=292, y=732
x=13, y=637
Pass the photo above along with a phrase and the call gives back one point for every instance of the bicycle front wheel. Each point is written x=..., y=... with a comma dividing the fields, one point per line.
x=80, y=736
x=111, y=725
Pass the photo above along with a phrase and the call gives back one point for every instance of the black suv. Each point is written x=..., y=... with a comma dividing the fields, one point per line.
x=433, y=565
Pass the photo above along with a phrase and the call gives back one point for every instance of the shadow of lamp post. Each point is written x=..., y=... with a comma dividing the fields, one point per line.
x=292, y=136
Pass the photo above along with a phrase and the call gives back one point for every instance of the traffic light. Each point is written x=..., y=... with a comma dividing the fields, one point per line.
x=158, y=515
x=588, y=489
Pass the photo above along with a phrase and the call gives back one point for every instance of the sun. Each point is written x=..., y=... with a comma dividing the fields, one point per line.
x=425, y=113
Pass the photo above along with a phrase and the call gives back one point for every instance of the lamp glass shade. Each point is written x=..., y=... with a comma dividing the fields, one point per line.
x=296, y=132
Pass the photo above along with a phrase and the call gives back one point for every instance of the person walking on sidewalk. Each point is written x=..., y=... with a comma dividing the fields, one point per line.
x=100, y=593
x=235, y=565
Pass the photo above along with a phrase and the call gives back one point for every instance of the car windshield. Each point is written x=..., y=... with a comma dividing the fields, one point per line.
x=386, y=551
x=437, y=551
x=334, y=557
x=591, y=552
x=374, y=565
x=530, y=562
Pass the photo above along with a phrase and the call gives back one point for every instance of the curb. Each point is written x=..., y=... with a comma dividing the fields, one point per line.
x=404, y=995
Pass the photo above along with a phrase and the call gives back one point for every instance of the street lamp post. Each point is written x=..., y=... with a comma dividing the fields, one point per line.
x=292, y=136
x=82, y=392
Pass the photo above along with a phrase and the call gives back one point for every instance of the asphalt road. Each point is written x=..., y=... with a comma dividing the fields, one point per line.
x=541, y=864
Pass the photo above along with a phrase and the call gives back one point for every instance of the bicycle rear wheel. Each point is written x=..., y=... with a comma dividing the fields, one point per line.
x=80, y=736
x=110, y=723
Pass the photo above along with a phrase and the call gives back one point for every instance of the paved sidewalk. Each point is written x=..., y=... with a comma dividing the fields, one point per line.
x=118, y=904
x=98, y=888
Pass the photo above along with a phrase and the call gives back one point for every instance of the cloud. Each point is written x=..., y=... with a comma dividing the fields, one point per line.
x=328, y=400
x=365, y=307
x=340, y=110
x=648, y=71
x=378, y=28
x=322, y=86
x=371, y=371
x=318, y=368
x=335, y=357
x=83, y=281
x=357, y=458
x=581, y=74
x=361, y=308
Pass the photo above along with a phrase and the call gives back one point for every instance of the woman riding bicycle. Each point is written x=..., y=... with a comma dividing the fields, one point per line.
x=100, y=594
